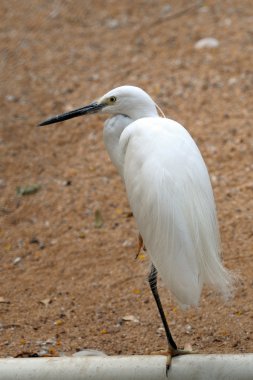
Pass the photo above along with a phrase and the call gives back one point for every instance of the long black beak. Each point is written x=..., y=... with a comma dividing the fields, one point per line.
x=91, y=108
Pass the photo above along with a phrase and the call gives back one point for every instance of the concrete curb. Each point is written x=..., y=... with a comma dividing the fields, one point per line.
x=190, y=367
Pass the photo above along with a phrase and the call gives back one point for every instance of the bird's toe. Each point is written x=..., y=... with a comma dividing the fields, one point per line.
x=168, y=363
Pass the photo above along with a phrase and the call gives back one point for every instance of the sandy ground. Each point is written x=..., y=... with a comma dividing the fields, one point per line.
x=68, y=274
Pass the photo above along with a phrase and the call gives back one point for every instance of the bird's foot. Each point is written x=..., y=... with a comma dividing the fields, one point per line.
x=176, y=352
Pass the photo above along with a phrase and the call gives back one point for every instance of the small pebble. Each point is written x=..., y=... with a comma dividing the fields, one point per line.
x=160, y=331
x=208, y=42
x=127, y=243
x=11, y=98
x=188, y=329
x=42, y=352
x=16, y=260
x=232, y=81
x=112, y=23
x=2, y=183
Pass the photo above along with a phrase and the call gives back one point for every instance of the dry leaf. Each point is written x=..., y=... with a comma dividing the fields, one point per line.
x=59, y=322
x=46, y=301
x=27, y=190
x=52, y=352
x=3, y=300
x=188, y=347
x=98, y=223
x=7, y=247
x=130, y=318
x=82, y=235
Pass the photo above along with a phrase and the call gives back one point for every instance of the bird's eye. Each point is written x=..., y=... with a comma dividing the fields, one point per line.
x=113, y=99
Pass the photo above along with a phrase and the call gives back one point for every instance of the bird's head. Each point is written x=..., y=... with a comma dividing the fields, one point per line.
x=130, y=101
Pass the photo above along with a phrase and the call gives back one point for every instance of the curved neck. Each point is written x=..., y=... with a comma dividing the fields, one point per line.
x=112, y=131
x=140, y=111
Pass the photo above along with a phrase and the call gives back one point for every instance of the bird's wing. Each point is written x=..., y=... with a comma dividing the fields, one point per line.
x=171, y=197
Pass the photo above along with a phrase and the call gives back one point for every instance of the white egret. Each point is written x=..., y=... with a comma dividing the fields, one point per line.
x=169, y=192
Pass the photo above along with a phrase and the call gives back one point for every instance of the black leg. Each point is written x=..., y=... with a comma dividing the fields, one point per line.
x=152, y=278
x=173, y=350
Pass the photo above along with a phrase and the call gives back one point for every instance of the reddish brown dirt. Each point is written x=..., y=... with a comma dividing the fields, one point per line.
x=62, y=280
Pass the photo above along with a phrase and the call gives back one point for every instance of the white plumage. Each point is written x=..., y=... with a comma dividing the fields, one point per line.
x=169, y=192
x=172, y=200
